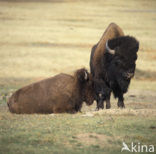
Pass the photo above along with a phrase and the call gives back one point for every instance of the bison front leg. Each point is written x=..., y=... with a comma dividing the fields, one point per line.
x=100, y=105
x=121, y=101
x=108, y=104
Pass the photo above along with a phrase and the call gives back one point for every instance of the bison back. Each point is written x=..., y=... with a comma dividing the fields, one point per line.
x=43, y=96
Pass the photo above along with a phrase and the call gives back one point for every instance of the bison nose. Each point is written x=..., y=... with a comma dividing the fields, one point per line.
x=128, y=75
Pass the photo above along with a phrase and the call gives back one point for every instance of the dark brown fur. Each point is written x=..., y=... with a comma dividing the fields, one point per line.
x=58, y=94
x=113, y=72
x=96, y=64
x=112, y=31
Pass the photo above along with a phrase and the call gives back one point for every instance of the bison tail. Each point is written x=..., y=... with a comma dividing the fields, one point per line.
x=82, y=75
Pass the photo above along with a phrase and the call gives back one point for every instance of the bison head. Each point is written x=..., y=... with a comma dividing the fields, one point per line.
x=124, y=50
x=85, y=84
x=125, y=46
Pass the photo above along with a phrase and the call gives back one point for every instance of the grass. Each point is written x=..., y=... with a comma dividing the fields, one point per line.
x=43, y=38
x=72, y=133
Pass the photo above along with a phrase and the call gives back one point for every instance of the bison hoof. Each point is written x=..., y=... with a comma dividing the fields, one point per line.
x=108, y=106
x=97, y=109
x=121, y=105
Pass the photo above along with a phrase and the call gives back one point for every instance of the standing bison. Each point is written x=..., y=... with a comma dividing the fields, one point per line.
x=112, y=65
x=58, y=94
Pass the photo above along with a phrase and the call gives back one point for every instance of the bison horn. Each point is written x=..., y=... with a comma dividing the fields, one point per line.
x=109, y=50
x=86, y=76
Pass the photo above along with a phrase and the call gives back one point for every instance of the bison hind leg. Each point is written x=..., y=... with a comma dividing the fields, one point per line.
x=121, y=102
x=108, y=105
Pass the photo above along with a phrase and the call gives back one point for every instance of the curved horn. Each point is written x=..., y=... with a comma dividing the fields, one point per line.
x=86, y=75
x=109, y=50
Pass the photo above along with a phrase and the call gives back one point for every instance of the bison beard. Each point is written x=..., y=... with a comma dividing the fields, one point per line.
x=58, y=94
x=116, y=69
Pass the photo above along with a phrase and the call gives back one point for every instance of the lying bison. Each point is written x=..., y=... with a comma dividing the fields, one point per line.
x=58, y=94
x=112, y=65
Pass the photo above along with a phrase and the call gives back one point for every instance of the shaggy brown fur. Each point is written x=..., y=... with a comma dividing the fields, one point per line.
x=112, y=31
x=58, y=94
x=96, y=64
x=112, y=65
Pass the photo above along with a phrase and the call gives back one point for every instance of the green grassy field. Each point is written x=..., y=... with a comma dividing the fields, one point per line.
x=42, y=38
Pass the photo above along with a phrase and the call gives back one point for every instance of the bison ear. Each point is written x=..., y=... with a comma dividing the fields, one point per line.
x=111, y=51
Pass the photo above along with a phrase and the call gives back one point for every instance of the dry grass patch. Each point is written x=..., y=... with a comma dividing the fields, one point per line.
x=123, y=112
x=94, y=139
